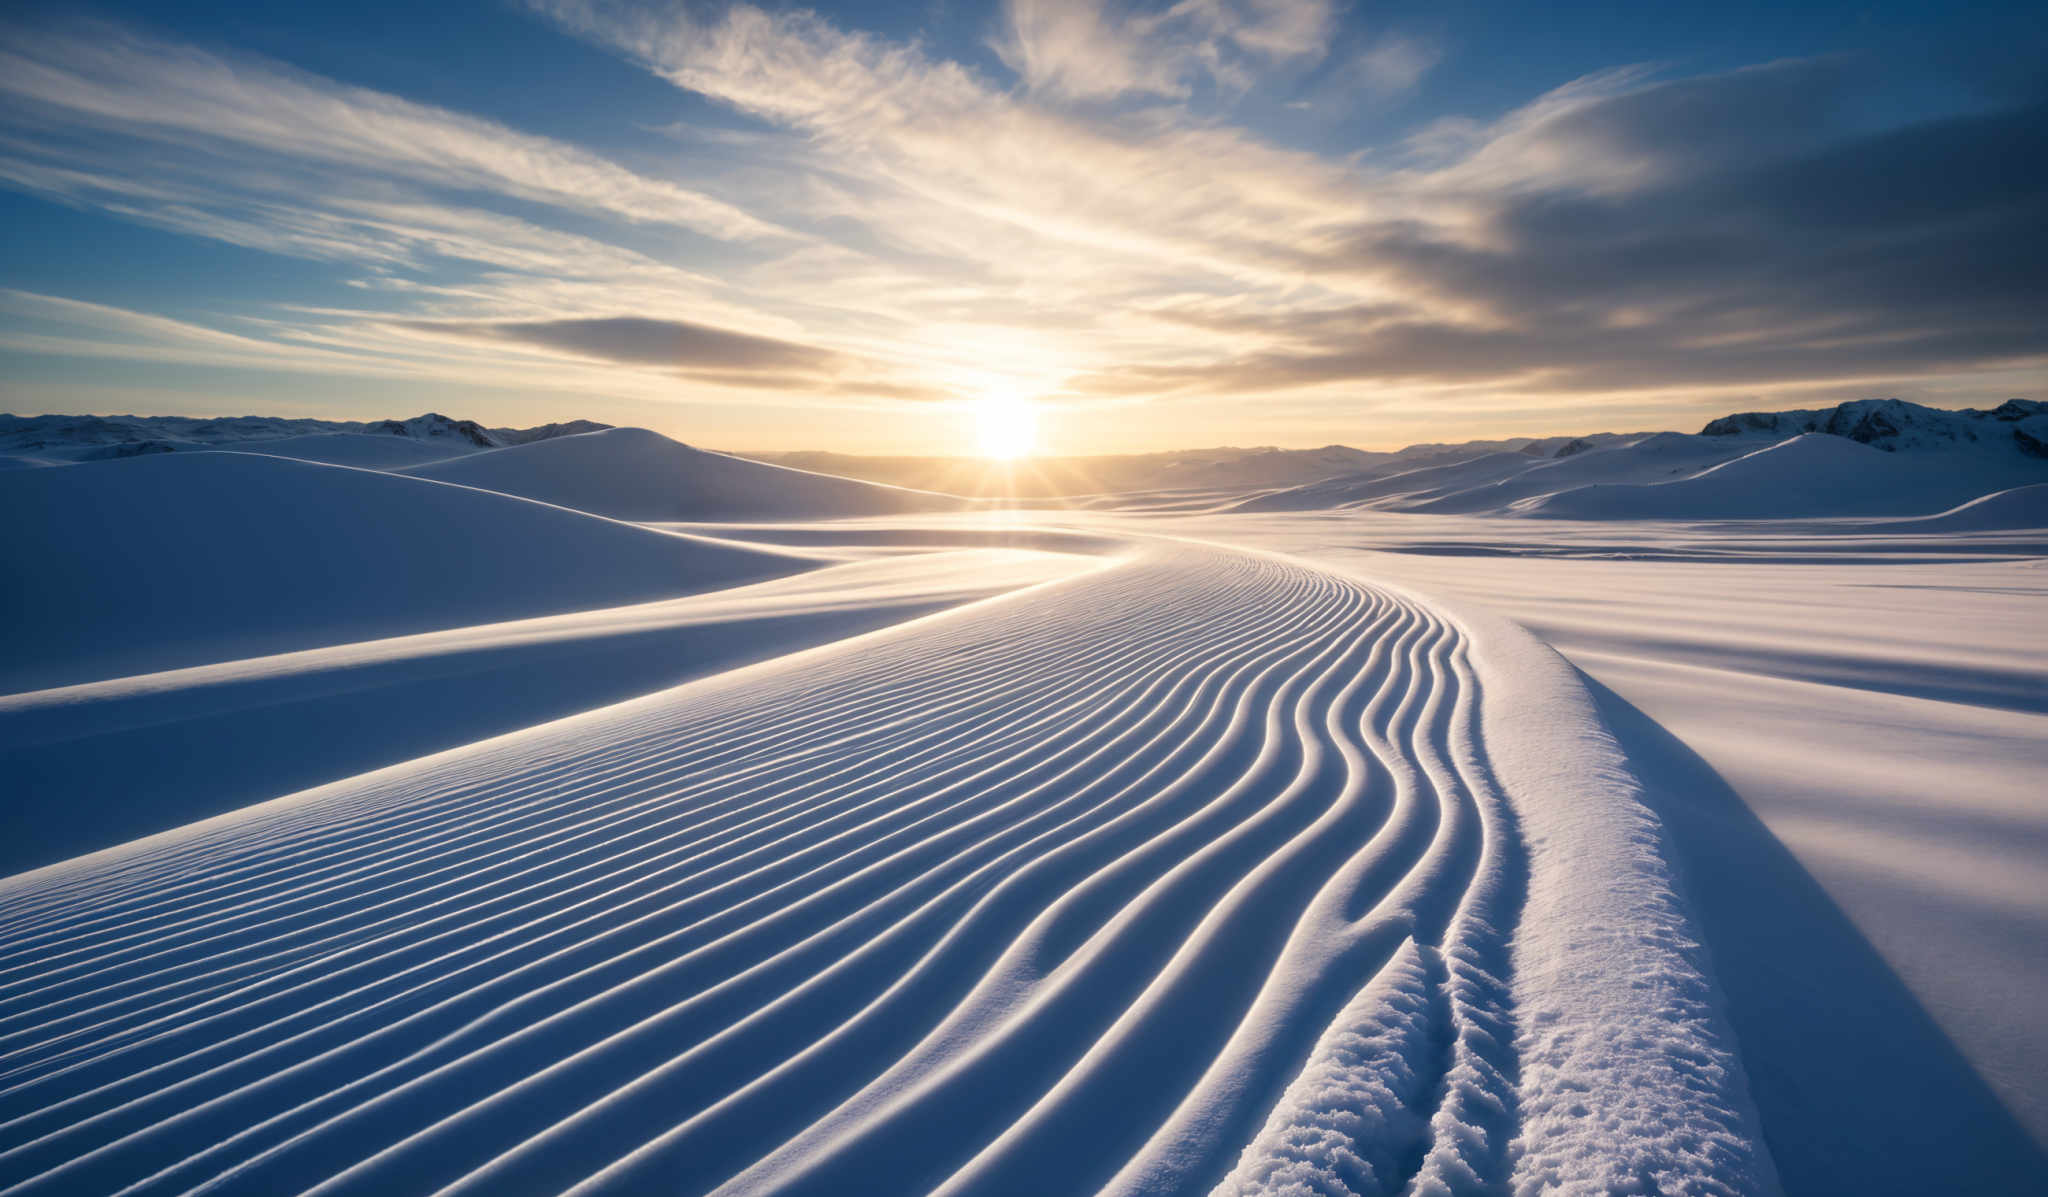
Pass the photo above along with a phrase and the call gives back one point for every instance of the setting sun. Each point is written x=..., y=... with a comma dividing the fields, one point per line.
x=1024, y=596
x=1005, y=427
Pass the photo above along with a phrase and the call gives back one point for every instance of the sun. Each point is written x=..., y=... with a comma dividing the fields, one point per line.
x=1005, y=427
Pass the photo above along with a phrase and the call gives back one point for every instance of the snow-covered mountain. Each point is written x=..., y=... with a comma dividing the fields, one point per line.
x=57, y=439
x=1920, y=461
x=1865, y=458
x=1895, y=425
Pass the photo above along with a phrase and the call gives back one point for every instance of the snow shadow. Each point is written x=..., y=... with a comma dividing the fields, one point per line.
x=1860, y=1090
x=167, y=759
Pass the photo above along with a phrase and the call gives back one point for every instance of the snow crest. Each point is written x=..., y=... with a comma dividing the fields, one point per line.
x=1203, y=869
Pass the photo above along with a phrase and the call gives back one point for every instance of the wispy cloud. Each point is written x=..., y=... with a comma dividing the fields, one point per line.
x=892, y=225
x=1080, y=49
x=263, y=119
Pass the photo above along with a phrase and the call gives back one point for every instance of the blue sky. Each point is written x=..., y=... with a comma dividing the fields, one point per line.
x=1215, y=221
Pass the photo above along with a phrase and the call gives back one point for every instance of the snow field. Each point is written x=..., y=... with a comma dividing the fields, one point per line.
x=1105, y=885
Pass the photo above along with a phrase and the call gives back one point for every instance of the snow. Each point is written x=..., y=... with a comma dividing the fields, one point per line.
x=1053, y=891
x=361, y=449
x=1395, y=481
x=429, y=828
x=1844, y=731
x=56, y=440
x=2018, y=508
x=630, y=473
x=161, y=562
x=1867, y=458
x=212, y=738
x=1812, y=474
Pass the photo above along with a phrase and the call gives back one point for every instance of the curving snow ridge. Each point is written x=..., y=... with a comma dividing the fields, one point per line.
x=1999, y=511
x=1809, y=475
x=182, y=559
x=1205, y=869
x=1670, y=476
x=634, y=474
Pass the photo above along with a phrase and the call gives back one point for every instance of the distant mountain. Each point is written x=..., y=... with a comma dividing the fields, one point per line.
x=546, y=432
x=1224, y=469
x=435, y=426
x=56, y=440
x=1807, y=475
x=1894, y=425
x=1864, y=458
x=1921, y=461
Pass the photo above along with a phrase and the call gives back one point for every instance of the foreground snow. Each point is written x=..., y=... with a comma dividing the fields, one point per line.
x=1141, y=851
x=1055, y=893
x=1842, y=722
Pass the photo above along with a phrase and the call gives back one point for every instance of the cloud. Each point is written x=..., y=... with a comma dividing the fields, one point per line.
x=891, y=226
x=637, y=340
x=701, y=353
x=1082, y=49
x=1892, y=255
x=1395, y=63
x=111, y=82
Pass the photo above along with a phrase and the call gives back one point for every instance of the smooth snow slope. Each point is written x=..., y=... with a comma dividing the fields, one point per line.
x=179, y=559
x=214, y=738
x=1659, y=457
x=1810, y=475
x=634, y=474
x=2005, y=510
x=1057, y=893
x=1396, y=481
x=361, y=449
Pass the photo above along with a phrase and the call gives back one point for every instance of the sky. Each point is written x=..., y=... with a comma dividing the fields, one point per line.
x=1155, y=225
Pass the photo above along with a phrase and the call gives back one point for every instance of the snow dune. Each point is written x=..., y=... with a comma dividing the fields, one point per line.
x=211, y=738
x=1809, y=475
x=172, y=560
x=1866, y=459
x=1116, y=883
x=2001, y=511
x=634, y=474
x=1396, y=481
x=360, y=449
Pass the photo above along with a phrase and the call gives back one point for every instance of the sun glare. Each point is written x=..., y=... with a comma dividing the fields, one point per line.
x=1005, y=427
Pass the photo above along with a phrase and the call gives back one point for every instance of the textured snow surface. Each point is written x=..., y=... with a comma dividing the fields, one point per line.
x=1003, y=852
x=1124, y=882
x=211, y=738
x=1841, y=725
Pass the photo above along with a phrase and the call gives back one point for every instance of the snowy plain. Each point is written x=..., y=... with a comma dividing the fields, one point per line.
x=433, y=828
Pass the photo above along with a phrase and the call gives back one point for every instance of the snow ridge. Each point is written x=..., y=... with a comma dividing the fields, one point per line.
x=1200, y=870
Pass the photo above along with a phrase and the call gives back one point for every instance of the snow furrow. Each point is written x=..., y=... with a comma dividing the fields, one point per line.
x=1186, y=873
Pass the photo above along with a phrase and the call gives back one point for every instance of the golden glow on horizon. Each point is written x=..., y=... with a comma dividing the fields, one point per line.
x=1005, y=427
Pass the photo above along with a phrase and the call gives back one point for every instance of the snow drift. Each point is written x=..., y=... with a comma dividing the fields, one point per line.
x=1056, y=893
x=2001, y=511
x=363, y=450
x=1806, y=476
x=634, y=474
x=167, y=561
x=1873, y=457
